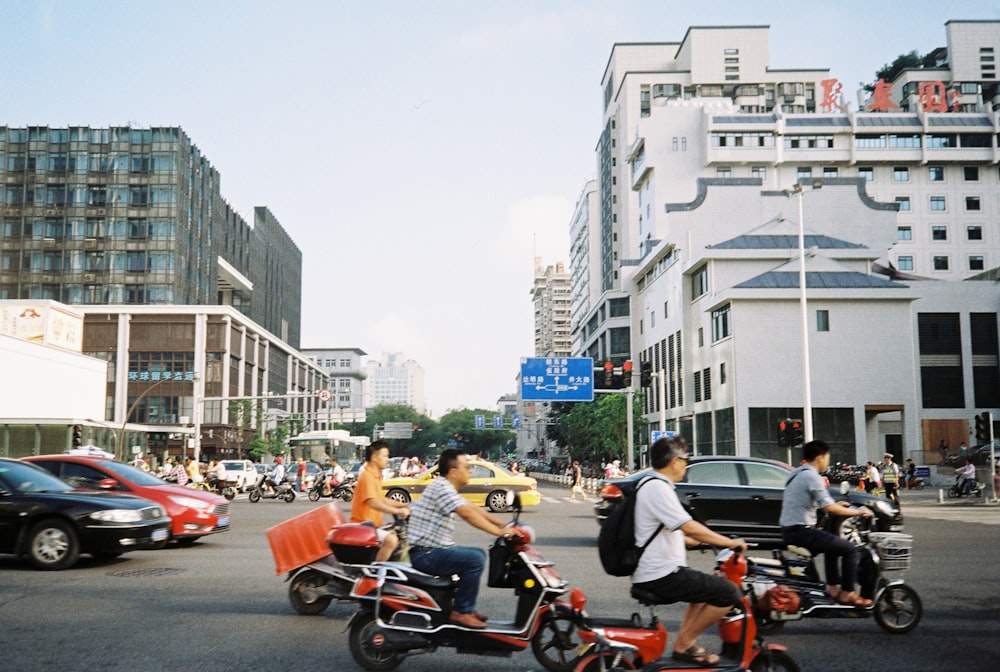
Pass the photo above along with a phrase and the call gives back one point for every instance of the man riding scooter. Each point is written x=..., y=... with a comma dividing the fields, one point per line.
x=275, y=476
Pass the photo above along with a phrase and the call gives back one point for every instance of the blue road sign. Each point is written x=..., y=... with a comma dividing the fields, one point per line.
x=557, y=379
x=480, y=421
x=656, y=435
x=497, y=422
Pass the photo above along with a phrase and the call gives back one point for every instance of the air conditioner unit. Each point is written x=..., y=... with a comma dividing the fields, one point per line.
x=51, y=211
x=102, y=211
x=49, y=242
x=90, y=243
x=48, y=278
x=89, y=277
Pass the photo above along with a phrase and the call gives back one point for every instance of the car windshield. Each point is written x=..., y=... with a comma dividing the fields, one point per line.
x=130, y=473
x=233, y=466
x=27, y=479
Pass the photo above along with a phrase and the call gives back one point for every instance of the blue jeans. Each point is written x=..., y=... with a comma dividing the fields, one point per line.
x=840, y=556
x=466, y=561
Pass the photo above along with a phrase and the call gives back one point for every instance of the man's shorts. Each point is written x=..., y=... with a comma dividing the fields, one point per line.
x=381, y=534
x=688, y=585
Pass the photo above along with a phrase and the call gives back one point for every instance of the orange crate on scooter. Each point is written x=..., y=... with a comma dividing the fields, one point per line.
x=302, y=539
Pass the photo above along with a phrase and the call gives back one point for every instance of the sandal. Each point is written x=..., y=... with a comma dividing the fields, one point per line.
x=853, y=599
x=697, y=655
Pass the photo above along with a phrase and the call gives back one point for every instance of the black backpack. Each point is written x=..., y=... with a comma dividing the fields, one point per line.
x=616, y=540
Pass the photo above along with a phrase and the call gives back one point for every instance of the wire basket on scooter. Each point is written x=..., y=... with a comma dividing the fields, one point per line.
x=894, y=549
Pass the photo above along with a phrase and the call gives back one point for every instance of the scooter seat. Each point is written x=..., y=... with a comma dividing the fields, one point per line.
x=428, y=581
x=648, y=598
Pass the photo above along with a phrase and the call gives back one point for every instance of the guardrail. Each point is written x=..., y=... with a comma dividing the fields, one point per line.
x=589, y=484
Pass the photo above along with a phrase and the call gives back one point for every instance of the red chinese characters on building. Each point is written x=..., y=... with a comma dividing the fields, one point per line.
x=933, y=96
x=832, y=88
x=881, y=102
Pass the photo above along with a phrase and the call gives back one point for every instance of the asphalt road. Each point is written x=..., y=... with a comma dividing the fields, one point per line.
x=219, y=605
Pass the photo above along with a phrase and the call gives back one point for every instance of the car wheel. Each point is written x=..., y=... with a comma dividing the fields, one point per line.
x=53, y=544
x=401, y=496
x=497, y=501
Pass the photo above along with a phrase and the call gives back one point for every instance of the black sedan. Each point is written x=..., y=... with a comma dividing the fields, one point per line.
x=741, y=496
x=45, y=520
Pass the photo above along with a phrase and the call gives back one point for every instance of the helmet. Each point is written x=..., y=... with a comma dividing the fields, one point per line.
x=781, y=598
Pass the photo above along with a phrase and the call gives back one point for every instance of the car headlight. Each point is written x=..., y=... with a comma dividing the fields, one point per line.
x=189, y=502
x=117, y=516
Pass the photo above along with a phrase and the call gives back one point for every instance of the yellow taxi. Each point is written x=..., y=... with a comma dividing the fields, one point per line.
x=488, y=486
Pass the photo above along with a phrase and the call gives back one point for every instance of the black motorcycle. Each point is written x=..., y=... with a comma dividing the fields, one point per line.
x=260, y=491
x=958, y=488
x=322, y=487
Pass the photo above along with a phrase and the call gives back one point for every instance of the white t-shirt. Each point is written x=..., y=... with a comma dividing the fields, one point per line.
x=657, y=503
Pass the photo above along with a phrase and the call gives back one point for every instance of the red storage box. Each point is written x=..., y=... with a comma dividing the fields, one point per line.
x=354, y=543
x=302, y=539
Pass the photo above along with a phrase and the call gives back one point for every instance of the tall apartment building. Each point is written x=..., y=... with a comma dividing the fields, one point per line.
x=395, y=380
x=132, y=216
x=343, y=366
x=551, y=298
x=696, y=239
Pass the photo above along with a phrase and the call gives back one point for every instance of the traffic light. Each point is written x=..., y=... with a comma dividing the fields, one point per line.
x=983, y=424
x=77, y=436
x=797, y=438
x=627, y=374
x=609, y=375
x=784, y=436
x=645, y=374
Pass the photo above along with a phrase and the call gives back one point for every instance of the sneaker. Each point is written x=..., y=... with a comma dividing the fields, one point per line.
x=467, y=620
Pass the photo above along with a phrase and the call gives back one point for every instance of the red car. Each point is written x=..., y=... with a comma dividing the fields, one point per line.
x=194, y=513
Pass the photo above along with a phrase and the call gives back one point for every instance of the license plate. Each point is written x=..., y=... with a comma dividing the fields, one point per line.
x=159, y=535
x=223, y=521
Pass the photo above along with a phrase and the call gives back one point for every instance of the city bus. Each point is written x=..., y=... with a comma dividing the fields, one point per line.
x=323, y=446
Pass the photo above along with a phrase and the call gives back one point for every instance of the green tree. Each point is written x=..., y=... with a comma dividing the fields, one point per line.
x=890, y=71
x=460, y=426
x=384, y=413
x=597, y=430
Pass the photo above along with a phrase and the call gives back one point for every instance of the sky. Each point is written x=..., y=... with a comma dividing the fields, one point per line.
x=420, y=154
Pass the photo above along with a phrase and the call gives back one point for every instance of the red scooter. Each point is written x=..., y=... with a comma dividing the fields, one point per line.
x=628, y=644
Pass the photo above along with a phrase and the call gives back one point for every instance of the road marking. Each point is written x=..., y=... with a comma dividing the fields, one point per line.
x=986, y=515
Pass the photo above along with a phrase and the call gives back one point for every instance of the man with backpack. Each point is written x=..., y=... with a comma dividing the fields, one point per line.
x=664, y=527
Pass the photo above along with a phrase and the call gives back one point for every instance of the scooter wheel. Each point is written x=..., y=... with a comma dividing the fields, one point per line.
x=773, y=661
x=555, y=643
x=290, y=496
x=314, y=495
x=898, y=609
x=254, y=496
x=347, y=495
x=229, y=493
x=365, y=633
x=296, y=593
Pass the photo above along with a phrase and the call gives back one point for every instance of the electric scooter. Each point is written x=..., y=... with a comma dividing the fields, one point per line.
x=283, y=491
x=628, y=644
x=403, y=612
x=322, y=487
x=895, y=606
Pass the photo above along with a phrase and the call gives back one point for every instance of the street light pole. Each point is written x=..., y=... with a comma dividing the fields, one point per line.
x=120, y=447
x=807, y=422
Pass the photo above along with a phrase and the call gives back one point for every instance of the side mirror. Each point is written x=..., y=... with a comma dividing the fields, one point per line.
x=108, y=484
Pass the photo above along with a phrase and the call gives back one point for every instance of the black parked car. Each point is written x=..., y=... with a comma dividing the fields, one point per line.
x=741, y=496
x=47, y=521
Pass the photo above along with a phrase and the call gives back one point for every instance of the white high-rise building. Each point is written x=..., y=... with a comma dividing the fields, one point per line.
x=696, y=244
x=551, y=297
x=395, y=380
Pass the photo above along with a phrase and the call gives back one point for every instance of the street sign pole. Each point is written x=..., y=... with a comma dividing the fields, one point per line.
x=630, y=426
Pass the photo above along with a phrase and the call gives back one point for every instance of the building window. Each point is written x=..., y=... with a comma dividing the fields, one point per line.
x=722, y=373
x=904, y=233
x=904, y=203
x=905, y=263
x=937, y=204
x=941, y=262
x=699, y=282
x=935, y=173
x=803, y=172
x=973, y=204
x=652, y=319
x=974, y=232
x=976, y=262
x=939, y=233
x=970, y=173
x=697, y=385
x=866, y=172
x=684, y=144
x=701, y=337
x=822, y=320
x=831, y=171
x=721, y=327
x=759, y=171
x=723, y=172
x=900, y=174
x=666, y=313
x=674, y=144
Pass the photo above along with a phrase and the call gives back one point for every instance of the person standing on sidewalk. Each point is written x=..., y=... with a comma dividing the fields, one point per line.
x=576, y=482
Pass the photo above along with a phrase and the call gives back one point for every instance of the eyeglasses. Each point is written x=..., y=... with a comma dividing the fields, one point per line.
x=683, y=457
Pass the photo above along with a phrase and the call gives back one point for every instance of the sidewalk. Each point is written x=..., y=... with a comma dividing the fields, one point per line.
x=931, y=494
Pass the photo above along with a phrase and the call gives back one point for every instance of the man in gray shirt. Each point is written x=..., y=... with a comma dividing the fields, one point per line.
x=805, y=493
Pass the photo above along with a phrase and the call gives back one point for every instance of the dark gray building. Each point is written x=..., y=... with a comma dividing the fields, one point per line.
x=122, y=215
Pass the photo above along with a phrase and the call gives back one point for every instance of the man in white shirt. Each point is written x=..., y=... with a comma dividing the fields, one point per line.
x=968, y=474
x=663, y=566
